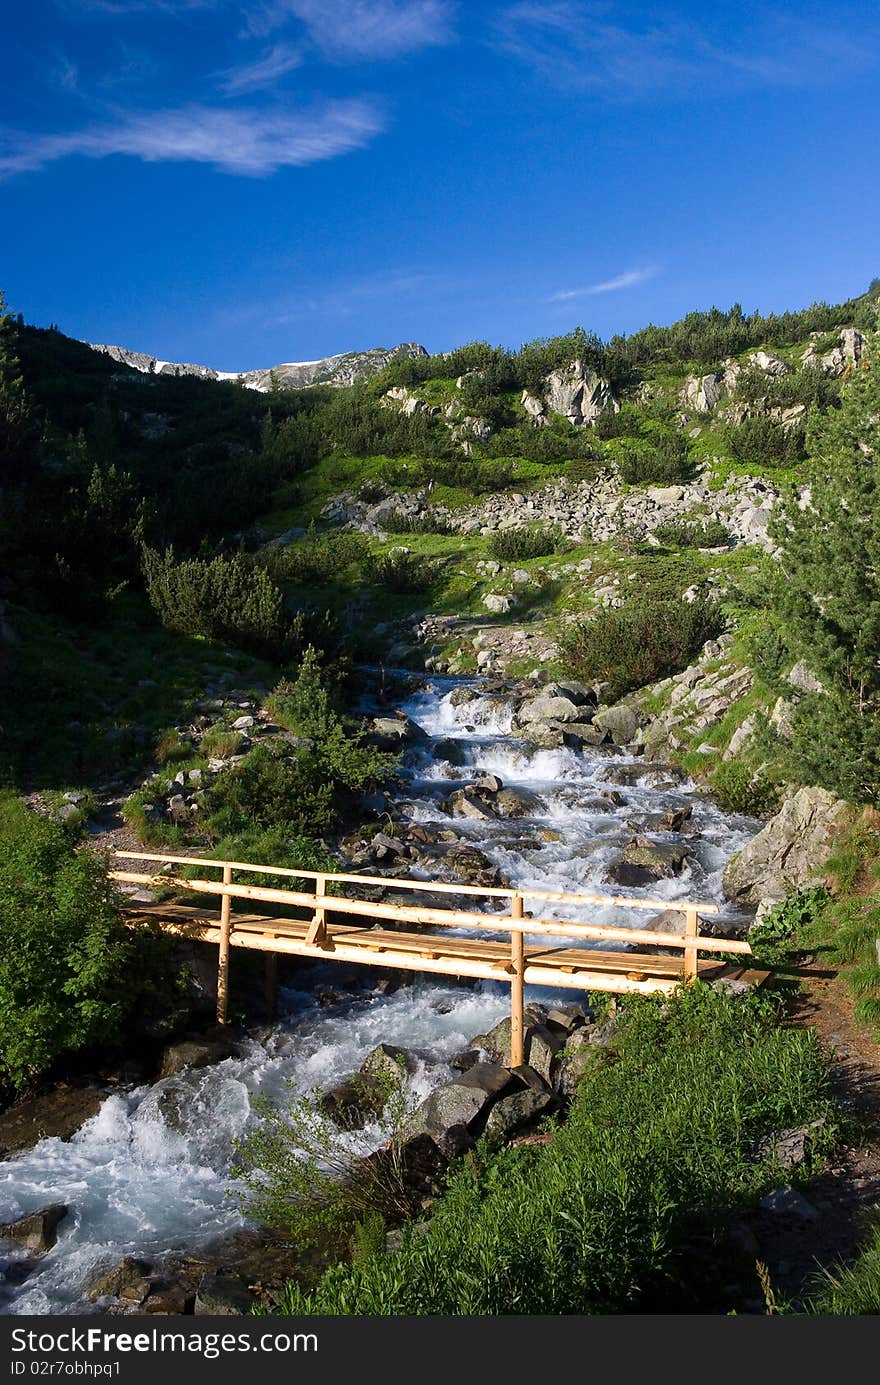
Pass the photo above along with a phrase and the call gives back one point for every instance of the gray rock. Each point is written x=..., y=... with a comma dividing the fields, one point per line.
x=790, y=1148
x=449, y=1115
x=803, y=679
x=541, y=709
x=787, y=1202
x=517, y=803
x=579, y=394
x=355, y=1101
x=243, y=723
x=223, y=1294
x=517, y=1113
x=36, y=1231
x=642, y=862
x=620, y=722
x=497, y=603
x=387, y=1062
x=390, y=733
x=788, y=851
x=490, y=1078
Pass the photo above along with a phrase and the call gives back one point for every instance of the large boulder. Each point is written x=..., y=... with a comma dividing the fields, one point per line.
x=192, y=1053
x=449, y=1115
x=394, y=732
x=127, y=1279
x=579, y=394
x=641, y=862
x=517, y=1113
x=789, y=851
x=517, y=803
x=702, y=392
x=542, y=709
x=620, y=722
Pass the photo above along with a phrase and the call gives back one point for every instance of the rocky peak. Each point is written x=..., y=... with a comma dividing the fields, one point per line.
x=345, y=369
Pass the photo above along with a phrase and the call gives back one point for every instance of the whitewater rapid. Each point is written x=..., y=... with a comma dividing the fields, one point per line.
x=140, y=1183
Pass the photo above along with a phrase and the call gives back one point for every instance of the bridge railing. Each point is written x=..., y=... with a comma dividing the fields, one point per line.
x=515, y=920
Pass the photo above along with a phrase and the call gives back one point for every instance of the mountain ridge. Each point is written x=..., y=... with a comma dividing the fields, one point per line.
x=345, y=368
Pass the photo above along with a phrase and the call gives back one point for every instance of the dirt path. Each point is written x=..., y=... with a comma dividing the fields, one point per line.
x=844, y=1194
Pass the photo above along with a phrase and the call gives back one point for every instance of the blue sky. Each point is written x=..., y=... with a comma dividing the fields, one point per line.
x=245, y=183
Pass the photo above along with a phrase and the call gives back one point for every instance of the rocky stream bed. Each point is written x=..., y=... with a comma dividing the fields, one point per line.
x=140, y=1213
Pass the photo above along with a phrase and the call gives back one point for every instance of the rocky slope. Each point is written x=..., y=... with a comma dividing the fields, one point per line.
x=347, y=368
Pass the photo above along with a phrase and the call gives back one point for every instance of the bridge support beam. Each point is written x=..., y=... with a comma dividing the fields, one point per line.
x=517, y=987
x=223, y=959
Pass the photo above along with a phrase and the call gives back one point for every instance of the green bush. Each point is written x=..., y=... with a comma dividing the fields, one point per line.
x=426, y=522
x=306, y=1172
x=661, y=460
x=70, y=971
x=712, y=534
x=319, y=559
x=405, y=574
x=518, y=545
x=227, y=599
x=740, y=790
x=771, y=938
x=639, y=643
x=761, y=442
x=628, y=1208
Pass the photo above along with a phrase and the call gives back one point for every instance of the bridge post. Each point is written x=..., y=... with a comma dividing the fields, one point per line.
x=517, y=988
x=223, y=959
x=691, y=929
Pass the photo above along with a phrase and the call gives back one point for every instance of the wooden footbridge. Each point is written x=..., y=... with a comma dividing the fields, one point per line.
x=373, y=932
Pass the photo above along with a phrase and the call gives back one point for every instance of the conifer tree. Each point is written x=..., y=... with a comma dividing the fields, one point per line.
x=827, y=594
x=15, y=429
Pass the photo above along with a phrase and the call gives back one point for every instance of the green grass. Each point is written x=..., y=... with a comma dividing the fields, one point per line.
x=850, y=1290
x=627, y=1209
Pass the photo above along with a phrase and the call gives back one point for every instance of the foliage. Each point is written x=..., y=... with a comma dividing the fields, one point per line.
x=319, y=559
x=660, y=460
x=740, y=789
x=302, y=1173
x=423, y=522
x=711, y=534
x=706, y=338
x=826, y=600
x=658, y=1154
x=404, y=573
x=850, y=1290
x=640, y=642
x=222, y=598
x=70, y=971
x=770, y=939
x=519, y=545
x=761, y=442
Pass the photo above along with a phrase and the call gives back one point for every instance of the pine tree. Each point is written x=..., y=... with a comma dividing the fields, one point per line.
x=827, y=593
x=15, y=421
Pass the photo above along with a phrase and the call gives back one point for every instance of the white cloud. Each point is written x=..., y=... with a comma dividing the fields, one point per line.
x=627, y=280
x=653, y=50
x=249, y=142
x=265, y=72
x=356, y=30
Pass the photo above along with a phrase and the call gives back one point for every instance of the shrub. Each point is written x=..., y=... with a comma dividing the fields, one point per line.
x=228, y=599
x=518, y=545
x=425, y=522
x=712, y=534
x=172, y=747
x=405, y=574
x=661, y=461
x=761, y=442
x=771, y=938
x=585, y=468
x=219, y=741
x=639, y=642
x=70, y=971
x=304, y=1173
x=319, y=559
x=740, y=790
x=632, y=1198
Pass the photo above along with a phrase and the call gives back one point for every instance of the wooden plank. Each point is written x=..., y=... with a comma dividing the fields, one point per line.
x=223, y=955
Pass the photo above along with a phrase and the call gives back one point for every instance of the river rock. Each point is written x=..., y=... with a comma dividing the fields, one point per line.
x=223, y=1295
x=56, y=1114
x=387, y=1063
x=471, y=803
x=36, y=1231
x=392, y=733
x=542, y=709
x=517, y=1113
x=192, y=1053
x=355, y=1101
x=449, y=1115
x=643, y=861
x=491, y=1078
x=789, y=851
x=620, y=722
x=128, y=1278
x=517, y=803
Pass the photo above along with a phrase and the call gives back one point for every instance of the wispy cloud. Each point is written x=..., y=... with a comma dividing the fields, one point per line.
x=265, y=72
x=244, y=141
x=627, y=280
x=646, y=50
x=357, y=30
